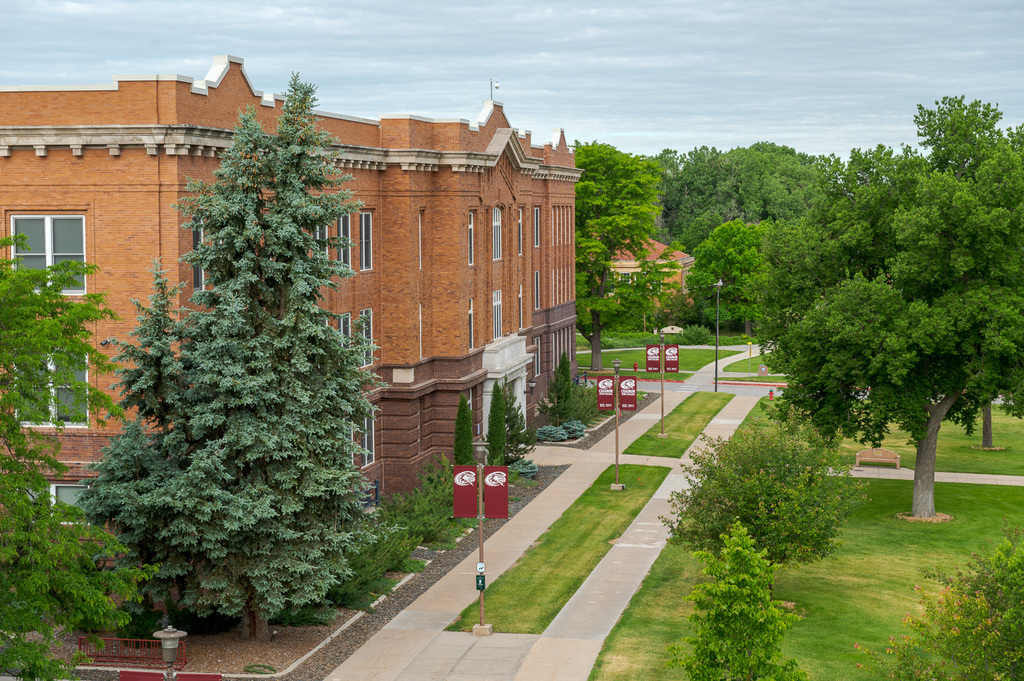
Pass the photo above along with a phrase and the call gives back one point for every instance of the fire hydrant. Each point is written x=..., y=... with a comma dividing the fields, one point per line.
x=636, y=367
x=771, y=394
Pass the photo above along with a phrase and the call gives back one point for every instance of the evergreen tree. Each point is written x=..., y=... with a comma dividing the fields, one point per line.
x=559, y=405
x=239, y=476
x=464, y=434
x=496, y=428
x=519, y=440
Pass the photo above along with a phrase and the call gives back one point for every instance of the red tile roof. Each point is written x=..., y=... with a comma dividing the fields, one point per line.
x=655, y=251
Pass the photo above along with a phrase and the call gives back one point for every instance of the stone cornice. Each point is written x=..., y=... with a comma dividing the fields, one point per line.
x=191, y=140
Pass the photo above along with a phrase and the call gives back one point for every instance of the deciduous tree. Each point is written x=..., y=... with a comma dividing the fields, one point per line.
x=732, y=255
x=50, y=561
x=901, y=300
x=238, y=476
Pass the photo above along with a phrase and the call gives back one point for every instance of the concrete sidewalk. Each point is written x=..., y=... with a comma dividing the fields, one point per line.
x=414, y=645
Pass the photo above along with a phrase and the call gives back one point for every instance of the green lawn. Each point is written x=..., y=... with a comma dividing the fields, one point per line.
x=689, y=361
x=859, y=595
x=742, y=364
x=954, y=453
x=682, y=426
x=752, y=379
x=527, y=597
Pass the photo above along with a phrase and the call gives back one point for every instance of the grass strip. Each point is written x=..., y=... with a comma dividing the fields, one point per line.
x=859, y=595
x=689, y=360
x=527, y=597
x=682, y=426
x=954, y=453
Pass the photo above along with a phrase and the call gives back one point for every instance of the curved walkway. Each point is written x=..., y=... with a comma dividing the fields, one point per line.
x=415, y=647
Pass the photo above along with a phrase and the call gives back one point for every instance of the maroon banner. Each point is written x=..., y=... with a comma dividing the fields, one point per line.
x=653, y=359
x=672, y=359
x=627, y=394
x=605, y=394
x=465, y=503
x=495, y=491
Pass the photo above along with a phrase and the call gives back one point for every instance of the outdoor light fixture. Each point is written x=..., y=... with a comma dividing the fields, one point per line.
x=169, y=639
x=480, y=447
x=531, y=384
x=494, y=86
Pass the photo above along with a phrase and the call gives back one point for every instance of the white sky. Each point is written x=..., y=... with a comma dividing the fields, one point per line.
x=822, y=76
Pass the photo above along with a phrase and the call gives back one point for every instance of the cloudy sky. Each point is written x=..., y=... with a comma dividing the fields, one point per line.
x=822, y=76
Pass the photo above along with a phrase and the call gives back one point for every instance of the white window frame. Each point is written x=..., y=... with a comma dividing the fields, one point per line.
x=198, y=273
x=469, y=240
x=536, y=356
x=520, y=306
x=496, y=233
x=345, y=234
x=421, y=329
x=53, y=491
x=50, y=257
x=323, y=232
x=369, y=454
x=365, y=241
x=536, y=289
x=345, y=324
x=496, y=313
x=536, y=226
x=52, y=388
x=419, y=236
x=366, y=317
x=470, y=323
x=520, y=231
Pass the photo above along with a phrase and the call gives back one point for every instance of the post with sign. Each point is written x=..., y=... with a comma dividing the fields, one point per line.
x=616, y=486
x=661, y=369
x=481, y=491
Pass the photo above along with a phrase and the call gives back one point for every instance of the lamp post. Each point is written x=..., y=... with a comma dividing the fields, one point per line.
x=718, y=293
x=169, y=639
x=481, y=450
x=618, y=487
x=661, y=365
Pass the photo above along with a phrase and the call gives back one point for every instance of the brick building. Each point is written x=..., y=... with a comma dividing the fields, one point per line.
x=463, y=249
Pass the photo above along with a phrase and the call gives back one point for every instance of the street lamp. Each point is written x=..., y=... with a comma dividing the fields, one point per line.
x=617, y=486
x=718, y=293
x=169, y=639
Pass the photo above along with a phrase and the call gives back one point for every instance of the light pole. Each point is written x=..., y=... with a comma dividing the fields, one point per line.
x=718, y=294
x=661, y=365
x=169, y=639
x=617, y=486
x=481, y=450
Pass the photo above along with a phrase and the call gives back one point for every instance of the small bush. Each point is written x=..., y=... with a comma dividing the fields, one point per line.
x=184, y=619
x=574, y=429
x=525, y=468
x=305, y=616
x=145, y=619
x=551, y=434
x=383, y=548
x=426, y=511
x=696, y=335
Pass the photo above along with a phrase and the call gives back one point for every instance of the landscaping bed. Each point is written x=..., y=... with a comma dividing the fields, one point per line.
x=224, y=653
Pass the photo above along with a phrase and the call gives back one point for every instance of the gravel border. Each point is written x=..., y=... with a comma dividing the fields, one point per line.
x=328, y=658
x=598, y=432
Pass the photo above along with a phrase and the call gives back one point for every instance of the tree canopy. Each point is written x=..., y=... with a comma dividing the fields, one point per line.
x=50, y=576
x=616, y=209
x=705, y=188
x=733, y=255
x=238, y=475
x=900, y=300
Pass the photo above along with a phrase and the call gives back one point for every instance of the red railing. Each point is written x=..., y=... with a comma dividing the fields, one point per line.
x=129, y=652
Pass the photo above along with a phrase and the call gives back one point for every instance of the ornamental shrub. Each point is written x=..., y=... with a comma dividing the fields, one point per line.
x=426, y=510
x=551, y=434
x=519, y=439
x=696, y=335
x=574, y=429
x=558, y=404
x=496, y=428
x=384, y=547
x=788, y=486
x=526, y=468
x=463, y=434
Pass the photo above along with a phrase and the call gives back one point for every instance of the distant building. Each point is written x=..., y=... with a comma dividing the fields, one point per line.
x=463, y=249
x=625, y=263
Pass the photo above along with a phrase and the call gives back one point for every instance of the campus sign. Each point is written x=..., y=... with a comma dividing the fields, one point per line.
x=465, y=494
x=653, y=359
x=672, y=359
x=605, y=394
x=627, y=394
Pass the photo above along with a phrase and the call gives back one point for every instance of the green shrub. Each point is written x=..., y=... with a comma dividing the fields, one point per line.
x=551, y=434
x=558, y=405
x=496, y=429
x=145, y=619
x=305, y=616
x=525, y=468
x=427, y=510
x=214, y=622
x=383, y=548
x=519, y=439
x=574, y=429
x=695, y=335
x=585, y=404
x=463, y=450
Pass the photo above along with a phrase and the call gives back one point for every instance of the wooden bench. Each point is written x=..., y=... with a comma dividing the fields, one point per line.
x=878, y=455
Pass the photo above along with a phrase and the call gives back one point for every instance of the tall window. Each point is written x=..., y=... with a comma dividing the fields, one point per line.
x=366, y=319
x=496, y=234
x=345, y=325
x=366, y=241
x=198, y=275
x=421, y=329
x=520, y=306
x=496, y=312
x=51, y=240
x=345, y=234
x=470, y=323
x=367, y=441
x=536, y=357
x=536, y=289
x=520, y=231
x=536, y=226
x=470, y=238
x=419, y=247
x=322, y=233
x=66, y=405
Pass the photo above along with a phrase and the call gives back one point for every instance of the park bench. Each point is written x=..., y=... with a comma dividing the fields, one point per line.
x=877, y=455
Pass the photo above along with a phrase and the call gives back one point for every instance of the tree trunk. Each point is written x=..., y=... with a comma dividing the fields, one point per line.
x=924, y=465
x=254, y=626
x=748, y=328
x=986, y=426
x=595, y=341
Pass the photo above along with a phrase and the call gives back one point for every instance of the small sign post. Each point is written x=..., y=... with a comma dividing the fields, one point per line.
x=481, y=491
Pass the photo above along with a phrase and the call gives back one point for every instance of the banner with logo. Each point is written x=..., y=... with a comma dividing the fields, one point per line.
x=627, y=394
x=672, y=359
x=495, y=491
x=605, y=394
x=653, y=359
x=465, y=503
